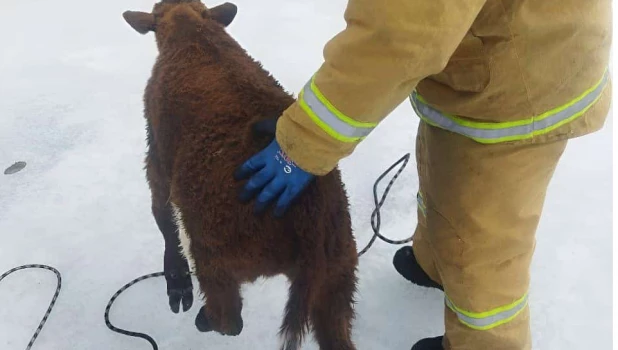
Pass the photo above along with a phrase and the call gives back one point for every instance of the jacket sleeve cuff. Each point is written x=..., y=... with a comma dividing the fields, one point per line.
x=307, y=145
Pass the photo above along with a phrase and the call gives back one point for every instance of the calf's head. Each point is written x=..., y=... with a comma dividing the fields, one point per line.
x=178, y=17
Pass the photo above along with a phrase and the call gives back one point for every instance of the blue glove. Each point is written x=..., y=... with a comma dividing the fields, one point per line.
x=274, y=176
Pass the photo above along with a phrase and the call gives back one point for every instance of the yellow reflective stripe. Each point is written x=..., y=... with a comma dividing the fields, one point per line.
x=487, y=132
x=421, y=203
x=490, y=319
x=323, y=125
x=329, y=118
x=336, y=112
x=596, y=86
x=482, y=125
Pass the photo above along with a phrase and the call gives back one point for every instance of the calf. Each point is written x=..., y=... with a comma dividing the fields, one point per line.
x=203, y=98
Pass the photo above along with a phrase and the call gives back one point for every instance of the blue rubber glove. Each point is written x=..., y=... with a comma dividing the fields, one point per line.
x=272, y=176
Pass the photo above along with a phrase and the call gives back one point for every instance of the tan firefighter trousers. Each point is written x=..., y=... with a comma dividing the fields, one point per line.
x=479, y=207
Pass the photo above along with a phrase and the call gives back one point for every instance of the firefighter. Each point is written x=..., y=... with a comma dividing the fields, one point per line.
x=500, y=86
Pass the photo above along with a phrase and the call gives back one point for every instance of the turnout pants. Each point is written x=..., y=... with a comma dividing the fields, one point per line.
x=479, y=207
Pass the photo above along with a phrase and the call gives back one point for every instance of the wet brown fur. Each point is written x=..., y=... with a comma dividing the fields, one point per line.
x=204, y=94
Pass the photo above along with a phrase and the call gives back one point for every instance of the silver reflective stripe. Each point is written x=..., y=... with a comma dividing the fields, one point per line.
x=520, y=131
x=490, y=321
x=329, y=118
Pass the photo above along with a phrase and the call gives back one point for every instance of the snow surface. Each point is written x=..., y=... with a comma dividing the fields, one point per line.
x=72, y=75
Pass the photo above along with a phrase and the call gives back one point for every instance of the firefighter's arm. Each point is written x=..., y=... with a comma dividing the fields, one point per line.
x=369, y=68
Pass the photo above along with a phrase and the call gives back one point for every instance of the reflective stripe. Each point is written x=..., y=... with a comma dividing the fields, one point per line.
x=510, y=131
x=487, y=320
x=421, y=203
x=329, y=118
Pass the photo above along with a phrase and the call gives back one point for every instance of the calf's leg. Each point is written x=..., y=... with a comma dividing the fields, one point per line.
x=175, y=266
x=223, y=308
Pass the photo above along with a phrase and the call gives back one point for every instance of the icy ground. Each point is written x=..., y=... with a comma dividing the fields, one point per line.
x=71, y=80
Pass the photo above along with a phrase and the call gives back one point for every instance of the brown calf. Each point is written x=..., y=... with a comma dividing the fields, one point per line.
x=203, y=98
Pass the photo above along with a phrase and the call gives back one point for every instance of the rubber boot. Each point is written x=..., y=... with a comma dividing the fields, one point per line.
x=405, y=263
x=429, y=344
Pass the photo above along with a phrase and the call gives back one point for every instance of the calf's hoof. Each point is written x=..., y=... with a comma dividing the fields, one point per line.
x=235, y=328
x=179, y=290
x=203, y=324
x=201, y=321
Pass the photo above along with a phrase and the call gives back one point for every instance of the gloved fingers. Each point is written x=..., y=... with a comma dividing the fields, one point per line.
x=250, y=167
x=284, y=202
x=256, y=183
x=268, y=194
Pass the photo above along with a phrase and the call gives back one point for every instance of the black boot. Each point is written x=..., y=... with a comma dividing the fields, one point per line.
x=405, y=263
x=429, y=344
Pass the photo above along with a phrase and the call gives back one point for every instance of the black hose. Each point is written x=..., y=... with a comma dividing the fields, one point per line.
x=375, y=216
x=123, y=331
x=51, y=304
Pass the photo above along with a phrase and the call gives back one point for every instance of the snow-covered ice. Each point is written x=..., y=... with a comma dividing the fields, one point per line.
x=72, y=75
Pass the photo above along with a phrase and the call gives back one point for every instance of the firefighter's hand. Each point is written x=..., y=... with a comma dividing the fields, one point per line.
x=273, y=176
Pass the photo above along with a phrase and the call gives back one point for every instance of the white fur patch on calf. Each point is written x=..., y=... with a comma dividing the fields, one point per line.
x=185, y=240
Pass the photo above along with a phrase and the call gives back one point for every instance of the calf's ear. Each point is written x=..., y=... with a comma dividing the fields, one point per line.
x=224, y=13
x=142, y=22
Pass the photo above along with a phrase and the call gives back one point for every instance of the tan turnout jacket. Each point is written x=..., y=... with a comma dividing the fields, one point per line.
x=493, y=70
